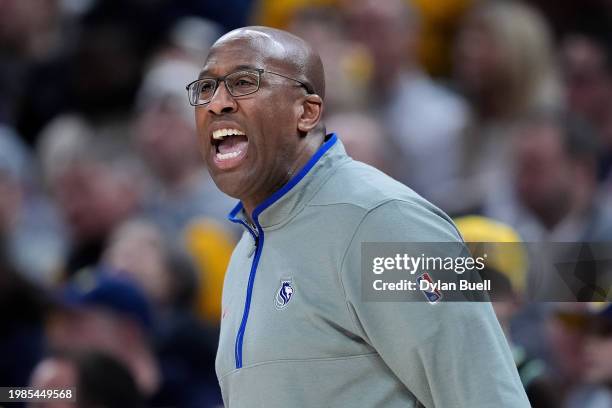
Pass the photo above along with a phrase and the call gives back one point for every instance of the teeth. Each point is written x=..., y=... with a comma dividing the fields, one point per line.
x=221, y=133
x=230, y=155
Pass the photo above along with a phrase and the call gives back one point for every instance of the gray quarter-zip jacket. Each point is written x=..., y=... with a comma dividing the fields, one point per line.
x=295, y=331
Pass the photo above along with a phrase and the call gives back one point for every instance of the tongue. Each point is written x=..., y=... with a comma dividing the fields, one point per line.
x=232, y=144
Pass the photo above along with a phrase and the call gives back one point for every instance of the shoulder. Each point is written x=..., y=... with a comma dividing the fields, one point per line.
x=379, y=202
x=361, y=185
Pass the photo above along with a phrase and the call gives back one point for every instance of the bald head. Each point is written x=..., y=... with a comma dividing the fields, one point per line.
x=271, y=100
x=282, y=49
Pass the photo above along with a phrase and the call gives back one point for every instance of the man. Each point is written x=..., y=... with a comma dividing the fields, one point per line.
x=553, y=194
x=96, y=312
x=586, y=64
x=96, y=183
x=421, y=117
x=295, y=330
x=598, y=354
x=588, y=328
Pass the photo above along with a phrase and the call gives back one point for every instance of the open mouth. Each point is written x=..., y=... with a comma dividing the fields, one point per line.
x=230, y=146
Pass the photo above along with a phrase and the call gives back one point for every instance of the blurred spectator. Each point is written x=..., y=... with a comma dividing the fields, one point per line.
x=598, y=356
x=363, y=137
x=591, y=375
x=506, y=268
x=12, y=164
x=348, y=64
x=587, y=64
x=162, y=268
x=96, y=74
x=279, y=14
x=424, y=119
x=504, y=60
x=104, y=381
x=505, y=251
x=170, y=358
x=30, y=33
x=439, y=23
x=587, y=69
x=137, y=250
x=185, y=346
x=28, y=27
x=554, y=188
x=97, y=380
x=565, y=343
x=504, y=65
x=23, y=308
x=31, y=228
x=166, y=272
x=96, y=182
x=108, y=315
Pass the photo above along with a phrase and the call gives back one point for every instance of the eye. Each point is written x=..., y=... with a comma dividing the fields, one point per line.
x=206, y=86
x=245, y=82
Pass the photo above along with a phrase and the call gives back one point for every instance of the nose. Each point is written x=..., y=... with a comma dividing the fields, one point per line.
x=222, y=101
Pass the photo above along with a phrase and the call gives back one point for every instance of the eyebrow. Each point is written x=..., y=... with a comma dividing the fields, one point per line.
x=205, y=73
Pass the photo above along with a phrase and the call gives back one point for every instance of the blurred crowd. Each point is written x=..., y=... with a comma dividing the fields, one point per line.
x=114, y=239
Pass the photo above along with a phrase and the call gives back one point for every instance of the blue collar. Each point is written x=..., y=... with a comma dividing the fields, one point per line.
x=237, y=214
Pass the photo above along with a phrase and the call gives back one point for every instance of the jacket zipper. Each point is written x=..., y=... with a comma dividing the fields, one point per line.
x=259, y=239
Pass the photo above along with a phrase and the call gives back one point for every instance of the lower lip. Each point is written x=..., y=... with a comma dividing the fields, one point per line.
x=230, y=163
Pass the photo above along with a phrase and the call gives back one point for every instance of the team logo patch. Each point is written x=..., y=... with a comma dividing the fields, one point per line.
x=283, y=294
x=432, y=295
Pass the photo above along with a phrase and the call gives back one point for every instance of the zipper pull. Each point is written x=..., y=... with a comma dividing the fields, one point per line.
x=254, y=246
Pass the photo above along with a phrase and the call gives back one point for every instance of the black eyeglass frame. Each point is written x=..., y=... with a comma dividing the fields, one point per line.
x=259, y=71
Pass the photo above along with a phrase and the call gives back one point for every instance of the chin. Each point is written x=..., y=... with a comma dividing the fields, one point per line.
x=228, y=184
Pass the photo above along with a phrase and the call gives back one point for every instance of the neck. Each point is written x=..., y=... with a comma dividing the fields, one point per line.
x=308, y=149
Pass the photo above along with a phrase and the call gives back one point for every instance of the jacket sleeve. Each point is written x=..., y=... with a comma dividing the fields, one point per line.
x=449, y=354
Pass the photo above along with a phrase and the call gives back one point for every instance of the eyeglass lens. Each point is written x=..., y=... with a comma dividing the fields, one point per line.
x=238, y=84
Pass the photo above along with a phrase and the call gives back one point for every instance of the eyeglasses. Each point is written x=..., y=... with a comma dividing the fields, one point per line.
x=239, y=83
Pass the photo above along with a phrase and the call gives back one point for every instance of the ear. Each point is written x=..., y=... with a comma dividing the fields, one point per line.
x=312, y=109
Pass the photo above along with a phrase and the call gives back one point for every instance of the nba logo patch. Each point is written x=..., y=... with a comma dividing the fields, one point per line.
x=432, y=295
x=283, y=294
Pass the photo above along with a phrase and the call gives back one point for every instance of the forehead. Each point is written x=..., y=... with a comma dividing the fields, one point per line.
x=246, y=48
